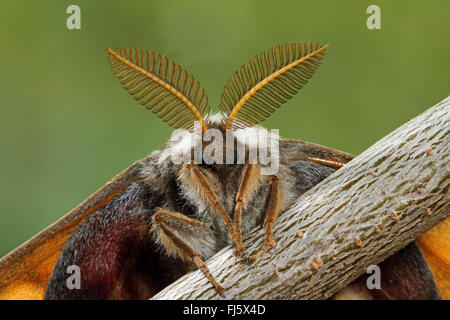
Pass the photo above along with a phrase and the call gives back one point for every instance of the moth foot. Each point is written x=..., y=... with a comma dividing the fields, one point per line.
x=242, y=256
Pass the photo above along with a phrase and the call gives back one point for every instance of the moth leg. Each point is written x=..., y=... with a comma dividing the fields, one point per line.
x=327, y=162
x=245, y=188
x=273, y=209
x=211, y=196
x=182, y=248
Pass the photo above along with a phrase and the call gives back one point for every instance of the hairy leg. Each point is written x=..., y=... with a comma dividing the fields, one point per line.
x=212, y=198
x=327, y=162
x=273, y=209
x=178, y=246
x=249, y=176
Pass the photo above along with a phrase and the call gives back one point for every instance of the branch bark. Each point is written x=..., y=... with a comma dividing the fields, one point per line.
x=365, y=212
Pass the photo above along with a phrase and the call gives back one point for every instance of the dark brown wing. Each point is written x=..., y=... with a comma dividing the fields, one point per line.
x=294, y=150
x=25, y=271
x=311, y=163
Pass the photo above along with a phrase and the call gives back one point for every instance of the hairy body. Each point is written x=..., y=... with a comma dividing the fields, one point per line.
x=122, y=250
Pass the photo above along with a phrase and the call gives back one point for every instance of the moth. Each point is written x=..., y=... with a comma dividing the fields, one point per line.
x=166, y=215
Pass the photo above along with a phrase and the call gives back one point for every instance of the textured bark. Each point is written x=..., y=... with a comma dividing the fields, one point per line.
x=366, y=211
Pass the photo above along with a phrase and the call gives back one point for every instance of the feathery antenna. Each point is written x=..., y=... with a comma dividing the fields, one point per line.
x=258, y=88
x=161, y=85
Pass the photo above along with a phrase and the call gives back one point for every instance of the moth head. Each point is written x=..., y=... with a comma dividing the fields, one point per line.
x=250, y=96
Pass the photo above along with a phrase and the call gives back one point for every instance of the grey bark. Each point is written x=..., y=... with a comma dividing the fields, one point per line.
x=366, y=211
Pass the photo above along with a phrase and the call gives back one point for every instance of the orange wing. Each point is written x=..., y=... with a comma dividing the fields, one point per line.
x=25, y=271
x=435, y=246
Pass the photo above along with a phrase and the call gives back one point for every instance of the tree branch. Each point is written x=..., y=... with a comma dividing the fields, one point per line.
x=362, y=214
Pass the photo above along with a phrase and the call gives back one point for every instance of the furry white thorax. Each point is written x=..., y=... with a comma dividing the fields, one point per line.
x=262, y=146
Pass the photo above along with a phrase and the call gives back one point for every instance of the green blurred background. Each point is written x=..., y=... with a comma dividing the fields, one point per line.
x=67, y=126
